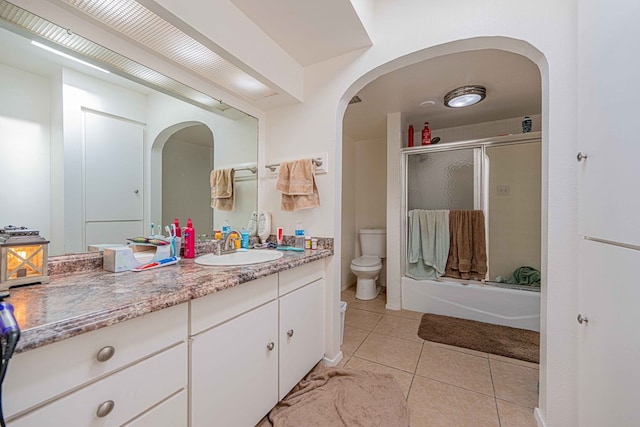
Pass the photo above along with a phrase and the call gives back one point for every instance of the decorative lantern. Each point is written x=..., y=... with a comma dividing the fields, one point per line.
x=23, y=257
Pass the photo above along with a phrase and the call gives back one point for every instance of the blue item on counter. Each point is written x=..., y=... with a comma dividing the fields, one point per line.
x=244, y=243
x=290, y=248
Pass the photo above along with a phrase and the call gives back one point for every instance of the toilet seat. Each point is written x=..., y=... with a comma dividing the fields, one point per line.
x=366, y=261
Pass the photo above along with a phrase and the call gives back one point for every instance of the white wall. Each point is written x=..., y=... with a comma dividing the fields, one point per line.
x=25, y=150
x=546, y=33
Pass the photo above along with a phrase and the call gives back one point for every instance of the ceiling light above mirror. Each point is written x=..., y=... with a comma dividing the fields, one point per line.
x=465, y=96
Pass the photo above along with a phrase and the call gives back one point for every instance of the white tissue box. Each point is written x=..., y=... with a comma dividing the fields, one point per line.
x=119, y=258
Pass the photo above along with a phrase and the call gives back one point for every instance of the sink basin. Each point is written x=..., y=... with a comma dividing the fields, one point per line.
x=239, y=258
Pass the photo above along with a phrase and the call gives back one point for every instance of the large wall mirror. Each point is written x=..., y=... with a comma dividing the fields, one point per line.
x=90, y=157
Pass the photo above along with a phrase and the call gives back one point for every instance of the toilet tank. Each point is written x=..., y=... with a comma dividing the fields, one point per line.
x=373, y=241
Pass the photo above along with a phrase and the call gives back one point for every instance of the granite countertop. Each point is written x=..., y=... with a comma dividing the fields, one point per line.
x=83, y=301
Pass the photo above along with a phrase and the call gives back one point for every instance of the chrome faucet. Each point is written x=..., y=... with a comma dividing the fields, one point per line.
x=228, y=244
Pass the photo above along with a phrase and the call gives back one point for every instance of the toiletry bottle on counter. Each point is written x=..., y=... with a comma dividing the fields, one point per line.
x=189, y=240
x=245, y=239
x=426, y=134
x=410, y=136
x=299, y=243
x=226, y=228
x=178, y=230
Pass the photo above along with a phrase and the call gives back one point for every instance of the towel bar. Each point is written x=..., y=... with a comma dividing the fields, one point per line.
x=272, y=167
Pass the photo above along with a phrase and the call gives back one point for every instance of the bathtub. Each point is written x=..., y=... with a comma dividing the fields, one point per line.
x=484, y=303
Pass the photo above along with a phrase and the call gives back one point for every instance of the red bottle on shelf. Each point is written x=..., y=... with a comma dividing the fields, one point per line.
x=426, y=134
x=410, y=142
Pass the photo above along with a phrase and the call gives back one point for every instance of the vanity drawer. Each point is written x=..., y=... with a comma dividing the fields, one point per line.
x=41, y=374
x=293, y=279
x=213, y=309
x=131, y=392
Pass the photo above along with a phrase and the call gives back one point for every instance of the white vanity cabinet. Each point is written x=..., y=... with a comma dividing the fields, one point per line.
x=108, y=377
x=252, y=343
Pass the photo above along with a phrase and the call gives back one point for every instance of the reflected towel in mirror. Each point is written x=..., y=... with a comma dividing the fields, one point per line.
x=222, y=189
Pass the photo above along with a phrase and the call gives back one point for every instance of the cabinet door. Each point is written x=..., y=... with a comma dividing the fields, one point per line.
x=234, y=370
x=608, y=74
x=609, y=346
x=301, y=333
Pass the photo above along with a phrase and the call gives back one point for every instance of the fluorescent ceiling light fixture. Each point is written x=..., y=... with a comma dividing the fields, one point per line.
x=465, y=96
x=65, y=55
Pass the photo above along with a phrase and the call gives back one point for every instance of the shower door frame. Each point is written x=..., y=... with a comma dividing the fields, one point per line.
x=481, y=177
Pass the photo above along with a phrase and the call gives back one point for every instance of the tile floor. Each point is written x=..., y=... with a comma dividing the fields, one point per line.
x=445, y=386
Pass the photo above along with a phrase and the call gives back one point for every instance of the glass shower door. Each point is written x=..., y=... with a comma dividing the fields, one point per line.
x=444, y=180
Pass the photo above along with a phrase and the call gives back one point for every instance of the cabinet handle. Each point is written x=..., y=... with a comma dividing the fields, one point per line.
x=271, y=346
x=582, y=319
x=105, y=408
x=290, y=333
x=105, y=353
x=581, y=156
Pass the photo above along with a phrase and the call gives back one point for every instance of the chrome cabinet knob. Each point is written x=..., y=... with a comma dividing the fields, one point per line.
x=105, y=353
x=290, y=333
x=105, y=408
x=271, y=346
x=581, y=156
x=582, y=320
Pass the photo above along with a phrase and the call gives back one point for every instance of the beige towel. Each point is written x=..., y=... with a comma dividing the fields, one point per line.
x=222, y=189
x=467, y=246
x=341, y=397
x=297, y=183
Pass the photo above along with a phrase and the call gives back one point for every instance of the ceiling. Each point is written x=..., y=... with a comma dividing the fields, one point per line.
x=512, y=81
x=310, y=31
x=315, y=31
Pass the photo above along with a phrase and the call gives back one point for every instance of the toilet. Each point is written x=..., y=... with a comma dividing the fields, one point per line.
x=373, y=244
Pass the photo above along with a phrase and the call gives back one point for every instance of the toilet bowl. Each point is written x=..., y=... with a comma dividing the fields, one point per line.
x=366, y=268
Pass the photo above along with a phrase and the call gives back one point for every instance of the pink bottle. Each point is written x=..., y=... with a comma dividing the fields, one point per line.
x=189, y=240
x=426, y=134
x=178, y=230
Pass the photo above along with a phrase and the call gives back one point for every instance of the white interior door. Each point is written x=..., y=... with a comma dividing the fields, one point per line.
x=608, y=81
x=113, y=168
x=609, y=349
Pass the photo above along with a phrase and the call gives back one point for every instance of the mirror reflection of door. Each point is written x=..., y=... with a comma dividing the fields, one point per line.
x=187, y=161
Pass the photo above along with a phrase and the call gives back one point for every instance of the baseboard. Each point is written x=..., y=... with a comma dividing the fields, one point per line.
x=539, y=419
x=332, y=362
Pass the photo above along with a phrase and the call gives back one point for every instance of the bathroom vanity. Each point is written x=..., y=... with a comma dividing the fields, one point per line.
x=176, y=346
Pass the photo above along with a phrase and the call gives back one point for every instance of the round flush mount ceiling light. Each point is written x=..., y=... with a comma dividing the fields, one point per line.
x=464, y=96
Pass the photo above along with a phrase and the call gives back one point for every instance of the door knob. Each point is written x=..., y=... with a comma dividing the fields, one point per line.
x=581, y=156
x=582, y=320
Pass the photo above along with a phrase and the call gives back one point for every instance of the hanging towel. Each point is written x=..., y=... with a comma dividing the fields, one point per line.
x=428, y=243
x=222, y=189
x=297, y=183
x=467, y=246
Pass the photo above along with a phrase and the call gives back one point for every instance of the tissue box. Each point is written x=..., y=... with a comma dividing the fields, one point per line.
x=119, y=258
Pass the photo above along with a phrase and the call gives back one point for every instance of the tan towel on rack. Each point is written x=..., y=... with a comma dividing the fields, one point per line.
x=297, y=183
x=222, y=189
x=467, y=246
